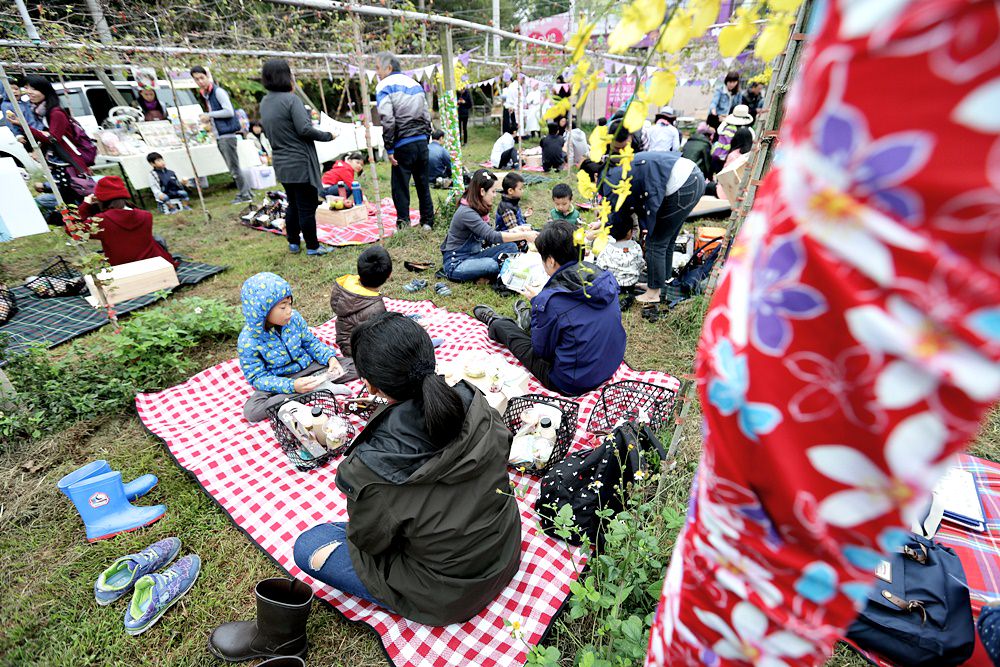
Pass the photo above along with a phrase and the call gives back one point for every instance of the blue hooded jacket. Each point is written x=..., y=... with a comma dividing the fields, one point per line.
x=268, y=356
x=581, y=333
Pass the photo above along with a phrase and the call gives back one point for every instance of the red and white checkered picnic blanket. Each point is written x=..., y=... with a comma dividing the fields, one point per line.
x=359, y=233
x=979, y=552
x=241, y=466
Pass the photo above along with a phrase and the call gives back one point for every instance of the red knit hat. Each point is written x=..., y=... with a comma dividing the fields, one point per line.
x=110, y=188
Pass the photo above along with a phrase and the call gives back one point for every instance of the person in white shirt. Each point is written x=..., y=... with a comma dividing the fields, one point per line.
x=532, y=110
x=623, y=256
x=504, y=153
x=511, y=97
x=662, y=135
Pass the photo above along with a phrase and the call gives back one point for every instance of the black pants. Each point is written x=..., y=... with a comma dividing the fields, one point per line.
x=509, y=121
x=506, y=332
x=300, y=218
x=411, y=159
x=548, y=165
x=463, y=128
x=508, y=159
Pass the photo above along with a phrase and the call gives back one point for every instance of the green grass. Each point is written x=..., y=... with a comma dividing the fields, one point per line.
x=47, y=611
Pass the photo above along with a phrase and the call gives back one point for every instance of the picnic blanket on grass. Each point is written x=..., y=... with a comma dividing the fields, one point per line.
x=242, y=468
x=58, y=319
x=979, y=552
x=360, y=233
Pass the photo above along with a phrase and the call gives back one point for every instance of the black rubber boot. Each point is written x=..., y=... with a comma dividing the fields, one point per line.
x=280, y=629
x=293, y=661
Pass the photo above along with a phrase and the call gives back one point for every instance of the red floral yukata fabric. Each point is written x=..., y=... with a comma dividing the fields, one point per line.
x=852, y=347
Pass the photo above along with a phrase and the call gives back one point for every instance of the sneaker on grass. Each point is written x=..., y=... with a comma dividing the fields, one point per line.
x=120, y=578
x=156, y=593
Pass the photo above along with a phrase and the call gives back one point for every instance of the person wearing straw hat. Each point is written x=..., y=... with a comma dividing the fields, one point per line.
x=740, y=117
x=662, y=135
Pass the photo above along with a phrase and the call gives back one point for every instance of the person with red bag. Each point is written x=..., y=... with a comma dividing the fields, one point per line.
x=125, y=233
x=68, y=151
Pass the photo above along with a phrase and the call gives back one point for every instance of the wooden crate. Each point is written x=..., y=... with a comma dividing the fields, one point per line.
x=344, y=218
x=127, y=281
x=532, y=160
x=729, y=178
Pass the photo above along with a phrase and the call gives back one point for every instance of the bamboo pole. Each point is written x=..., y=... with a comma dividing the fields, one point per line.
x=367, y=106
x=322, y=95
x=180, y=120
x=102, y=297
x=519, y=109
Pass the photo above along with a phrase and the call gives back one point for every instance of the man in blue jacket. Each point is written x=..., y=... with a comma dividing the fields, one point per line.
x=577, y=340
x=225, y=127
x=438, y=161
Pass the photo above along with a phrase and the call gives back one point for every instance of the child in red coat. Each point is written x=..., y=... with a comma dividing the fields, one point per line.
x=126, y=234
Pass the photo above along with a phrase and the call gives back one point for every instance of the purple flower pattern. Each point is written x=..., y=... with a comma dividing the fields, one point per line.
x=874, y=169
x=777, y=296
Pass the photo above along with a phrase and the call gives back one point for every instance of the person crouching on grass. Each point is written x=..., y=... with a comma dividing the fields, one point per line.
x=278, y=354
x=577, y=340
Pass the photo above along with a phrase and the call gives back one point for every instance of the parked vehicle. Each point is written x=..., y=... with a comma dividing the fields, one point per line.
x=12, y=148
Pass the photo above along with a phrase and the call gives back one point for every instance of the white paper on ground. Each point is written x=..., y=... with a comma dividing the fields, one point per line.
x=19, y=216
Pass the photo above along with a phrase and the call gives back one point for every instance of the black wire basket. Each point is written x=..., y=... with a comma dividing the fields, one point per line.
x=362, y=406
x=291, y=446
x=631, y=400
x=8, y=304
x=564, y=434
x=57, y=279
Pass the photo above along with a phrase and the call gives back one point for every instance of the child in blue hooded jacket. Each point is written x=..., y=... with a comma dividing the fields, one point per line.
x=279, y=356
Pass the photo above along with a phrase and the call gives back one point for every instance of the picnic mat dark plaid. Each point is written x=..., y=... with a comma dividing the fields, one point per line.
x=979, y=552
x=59, y=319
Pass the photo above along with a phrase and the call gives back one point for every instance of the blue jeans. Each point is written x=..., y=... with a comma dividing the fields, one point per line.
x=46, y=203
x=471, y=261
x=669, y=221
x=337, y=571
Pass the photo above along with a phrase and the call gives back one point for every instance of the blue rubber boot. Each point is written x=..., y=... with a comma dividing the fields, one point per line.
x=105, y=510
x=135, y=489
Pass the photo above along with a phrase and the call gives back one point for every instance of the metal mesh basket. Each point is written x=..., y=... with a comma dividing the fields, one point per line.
x=291, y=446
x=57, y=279
x=564, y=434
x=631, y=400
x=8, y=304
x=362, y=406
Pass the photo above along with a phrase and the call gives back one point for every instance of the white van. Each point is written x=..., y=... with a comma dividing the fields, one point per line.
x=90, y=102
x=14, y=149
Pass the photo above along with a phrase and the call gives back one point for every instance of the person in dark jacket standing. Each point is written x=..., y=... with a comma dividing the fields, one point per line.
x=406, y=128
x=433, y=532
x=292, y=135
x=665, y=188
x=577, y=340
x=225, y=127
x=464, y=109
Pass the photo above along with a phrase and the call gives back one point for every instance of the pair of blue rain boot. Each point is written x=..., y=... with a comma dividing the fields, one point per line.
x=153, y=593
x=104, y=503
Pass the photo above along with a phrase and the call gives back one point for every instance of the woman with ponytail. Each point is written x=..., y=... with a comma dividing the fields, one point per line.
x=433, y=532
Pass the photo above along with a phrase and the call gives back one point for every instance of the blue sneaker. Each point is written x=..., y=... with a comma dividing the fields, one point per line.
x=156, y=593
x=322, y=250
x=120, y=578
x=294, y=248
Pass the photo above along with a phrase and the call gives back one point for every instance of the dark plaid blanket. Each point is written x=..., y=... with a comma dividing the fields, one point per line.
x=57, y=320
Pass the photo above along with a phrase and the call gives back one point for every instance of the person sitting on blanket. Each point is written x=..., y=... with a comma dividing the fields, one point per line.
x=509, y=215
x=562, y=204
x=433, y=532
x=504, y=153
x=125, y=233
x=577, y=341
x=355, y=298
x=346, y=171
x=279, y=356
x=472, y=249
x=438, y=161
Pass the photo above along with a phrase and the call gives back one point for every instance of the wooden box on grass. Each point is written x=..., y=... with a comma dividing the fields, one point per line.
x=342, y=218
x=532, y=160
x=730, y=178
x=127, y=281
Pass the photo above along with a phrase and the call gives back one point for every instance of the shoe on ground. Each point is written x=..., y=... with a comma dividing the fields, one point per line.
x=426, y=228
x=484, y=314
x=285, y=661
x=156, y=593
x=322, y=250
x=119, y=579
x=135, y=489
x=294, y=248
x=522, y=309
x=241, y=200
x=283, y=607
x=105, y=509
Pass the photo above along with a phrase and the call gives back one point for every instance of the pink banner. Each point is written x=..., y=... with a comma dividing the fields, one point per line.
x=551, y=28
x=618, y=93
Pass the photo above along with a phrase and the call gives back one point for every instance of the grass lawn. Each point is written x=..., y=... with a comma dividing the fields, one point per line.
x=47, y=610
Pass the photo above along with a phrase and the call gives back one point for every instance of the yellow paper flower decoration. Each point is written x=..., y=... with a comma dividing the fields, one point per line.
x=636, y=114
x=580, y=236
x=585, y=185
x=734, y=38
x=703, y=14
x=773, y=37
x=784, y=5
x=560, y=108
x=604, y=211
x=599, y=141
x=638, y=19
x=661, y=88
x=677, y=33
x=622, y=190
x=580, y=39
x=625, y=157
